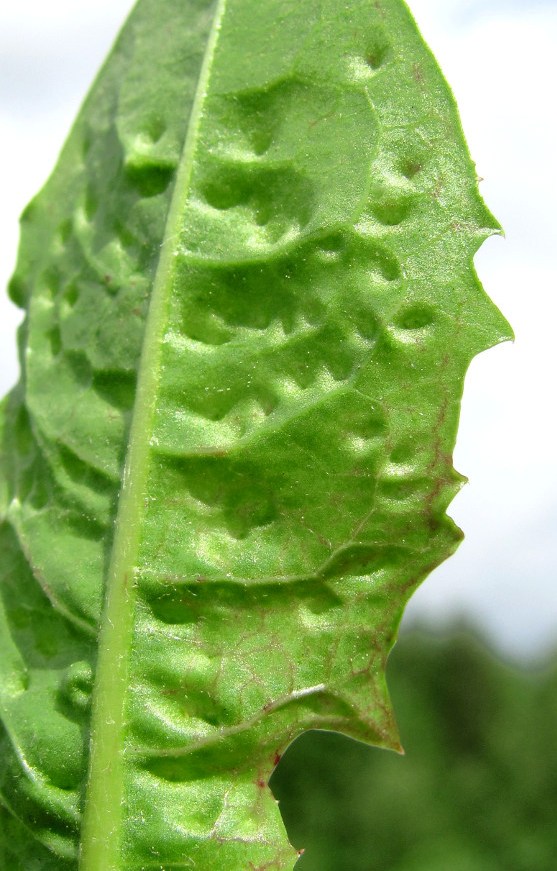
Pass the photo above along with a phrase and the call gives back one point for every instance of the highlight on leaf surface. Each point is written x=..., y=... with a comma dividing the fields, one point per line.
x=251, y=304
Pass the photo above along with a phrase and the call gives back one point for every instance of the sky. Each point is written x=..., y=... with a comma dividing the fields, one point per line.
x=498, y=56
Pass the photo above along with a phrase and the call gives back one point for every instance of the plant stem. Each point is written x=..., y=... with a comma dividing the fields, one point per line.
x=104, y=800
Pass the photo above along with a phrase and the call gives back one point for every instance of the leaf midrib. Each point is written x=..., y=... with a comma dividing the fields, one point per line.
x=102, y=816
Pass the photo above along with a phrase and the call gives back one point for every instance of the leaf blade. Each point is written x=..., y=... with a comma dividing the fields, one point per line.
x=298, y=465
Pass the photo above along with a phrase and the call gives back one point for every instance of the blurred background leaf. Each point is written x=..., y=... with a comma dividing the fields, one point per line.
x=476, y=790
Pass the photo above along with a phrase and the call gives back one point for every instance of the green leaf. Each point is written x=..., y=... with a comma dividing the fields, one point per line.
x=251, y=304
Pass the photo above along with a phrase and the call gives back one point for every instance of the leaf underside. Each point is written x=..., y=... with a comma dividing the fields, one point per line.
x=251, y=304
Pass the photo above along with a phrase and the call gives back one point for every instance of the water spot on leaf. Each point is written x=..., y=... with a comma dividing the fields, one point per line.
x=80, y=366
x=410, y=167
x=332, y=247
x=377, y=49
x=391, y=211
x=116, y=387
x=65, y=231
x=71, y=294
x=150, y=179
x=76, y=686
x=383, y=264
x=261, y=141
x=55, y=341
x=91, y=203
x=415, y=317
x=154, y=129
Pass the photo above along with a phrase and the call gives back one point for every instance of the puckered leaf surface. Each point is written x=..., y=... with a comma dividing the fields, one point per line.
x=250, y=306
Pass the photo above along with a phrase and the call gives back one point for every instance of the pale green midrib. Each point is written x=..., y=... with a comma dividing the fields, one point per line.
x=102, y=816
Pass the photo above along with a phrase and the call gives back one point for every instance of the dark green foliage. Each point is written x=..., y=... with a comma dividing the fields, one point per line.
x=476, y=790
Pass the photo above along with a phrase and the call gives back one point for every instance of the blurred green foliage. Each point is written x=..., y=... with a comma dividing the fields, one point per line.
x=476, y=790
